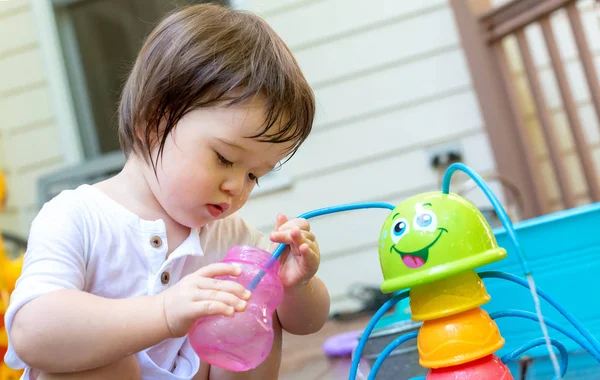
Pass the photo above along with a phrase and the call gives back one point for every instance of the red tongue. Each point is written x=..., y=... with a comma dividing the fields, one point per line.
x=413, y=261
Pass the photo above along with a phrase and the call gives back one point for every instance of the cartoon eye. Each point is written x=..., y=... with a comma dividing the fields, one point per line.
x=399, y=229
x=425, y=221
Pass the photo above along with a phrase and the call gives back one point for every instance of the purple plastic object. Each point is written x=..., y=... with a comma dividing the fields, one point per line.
x=341, y=344
x=243, y=341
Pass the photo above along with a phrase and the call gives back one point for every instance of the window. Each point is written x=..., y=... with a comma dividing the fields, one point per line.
x=100, y=40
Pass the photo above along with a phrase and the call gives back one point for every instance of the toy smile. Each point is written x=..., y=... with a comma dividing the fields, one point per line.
x=417, y=259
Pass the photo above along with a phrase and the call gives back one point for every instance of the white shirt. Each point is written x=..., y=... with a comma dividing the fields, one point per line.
x=84, y=240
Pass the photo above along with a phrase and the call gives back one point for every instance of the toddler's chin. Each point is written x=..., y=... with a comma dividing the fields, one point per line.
x=192, y=221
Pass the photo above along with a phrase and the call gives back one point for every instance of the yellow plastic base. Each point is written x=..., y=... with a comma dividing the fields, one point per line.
x=448, y=296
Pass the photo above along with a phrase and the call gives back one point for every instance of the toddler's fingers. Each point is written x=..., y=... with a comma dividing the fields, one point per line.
x=303, y=224
x=223, y=286
x=280, y=221
x=219, y=269
x=208, y=308
x=308, y=235
x=285, y=236
x=300, y=223
x=223, y=297
x=295, y=237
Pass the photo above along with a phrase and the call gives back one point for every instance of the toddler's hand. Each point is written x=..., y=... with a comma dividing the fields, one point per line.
x=300, y=263
x=199, y=295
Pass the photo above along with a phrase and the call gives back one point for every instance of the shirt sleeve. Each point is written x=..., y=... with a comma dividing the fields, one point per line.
x=54, y=260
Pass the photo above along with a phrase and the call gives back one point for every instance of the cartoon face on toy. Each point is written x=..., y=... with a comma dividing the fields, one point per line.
x=414, y=247
x=432, y=236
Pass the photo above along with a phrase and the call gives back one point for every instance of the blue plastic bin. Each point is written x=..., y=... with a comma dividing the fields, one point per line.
x=563, y=250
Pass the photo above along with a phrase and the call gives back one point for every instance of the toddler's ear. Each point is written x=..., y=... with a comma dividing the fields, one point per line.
x=151, y=140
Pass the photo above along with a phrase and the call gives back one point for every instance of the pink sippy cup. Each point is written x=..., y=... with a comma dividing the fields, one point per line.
x=243, y=341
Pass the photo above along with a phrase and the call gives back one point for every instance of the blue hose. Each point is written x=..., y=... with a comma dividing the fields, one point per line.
x=365, y=336
x=506, y=222
x=532, y=316
x=564, y=355
x=388, y=350
x=312, y=214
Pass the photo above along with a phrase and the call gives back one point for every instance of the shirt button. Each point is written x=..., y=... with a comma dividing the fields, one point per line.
x=165, y=277
x=156, y=241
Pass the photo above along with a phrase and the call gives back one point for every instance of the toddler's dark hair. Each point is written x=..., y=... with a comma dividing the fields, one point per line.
x=204, y=54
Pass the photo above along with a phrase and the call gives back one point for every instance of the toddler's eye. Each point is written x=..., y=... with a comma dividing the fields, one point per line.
x=223, y=160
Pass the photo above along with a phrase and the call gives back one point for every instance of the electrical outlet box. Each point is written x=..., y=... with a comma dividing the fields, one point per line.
x=443, y=155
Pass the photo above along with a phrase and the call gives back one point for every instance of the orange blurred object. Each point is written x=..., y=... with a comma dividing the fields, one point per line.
x=458, y=339
x=10, y=270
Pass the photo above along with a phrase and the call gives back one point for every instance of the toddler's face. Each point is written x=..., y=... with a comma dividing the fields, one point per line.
x=209, y=165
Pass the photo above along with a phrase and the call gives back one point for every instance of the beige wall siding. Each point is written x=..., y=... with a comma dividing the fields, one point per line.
x=391, y=81
x=29, y=139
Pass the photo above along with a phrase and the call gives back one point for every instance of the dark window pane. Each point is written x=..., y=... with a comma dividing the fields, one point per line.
x=107, y=35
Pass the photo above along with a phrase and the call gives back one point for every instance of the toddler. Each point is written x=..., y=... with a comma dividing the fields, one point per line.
x=117, y=272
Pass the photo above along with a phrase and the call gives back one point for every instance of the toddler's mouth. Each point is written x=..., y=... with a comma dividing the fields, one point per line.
x=217, y=209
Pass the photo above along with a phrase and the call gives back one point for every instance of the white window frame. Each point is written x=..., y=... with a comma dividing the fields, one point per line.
x=60, y=92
